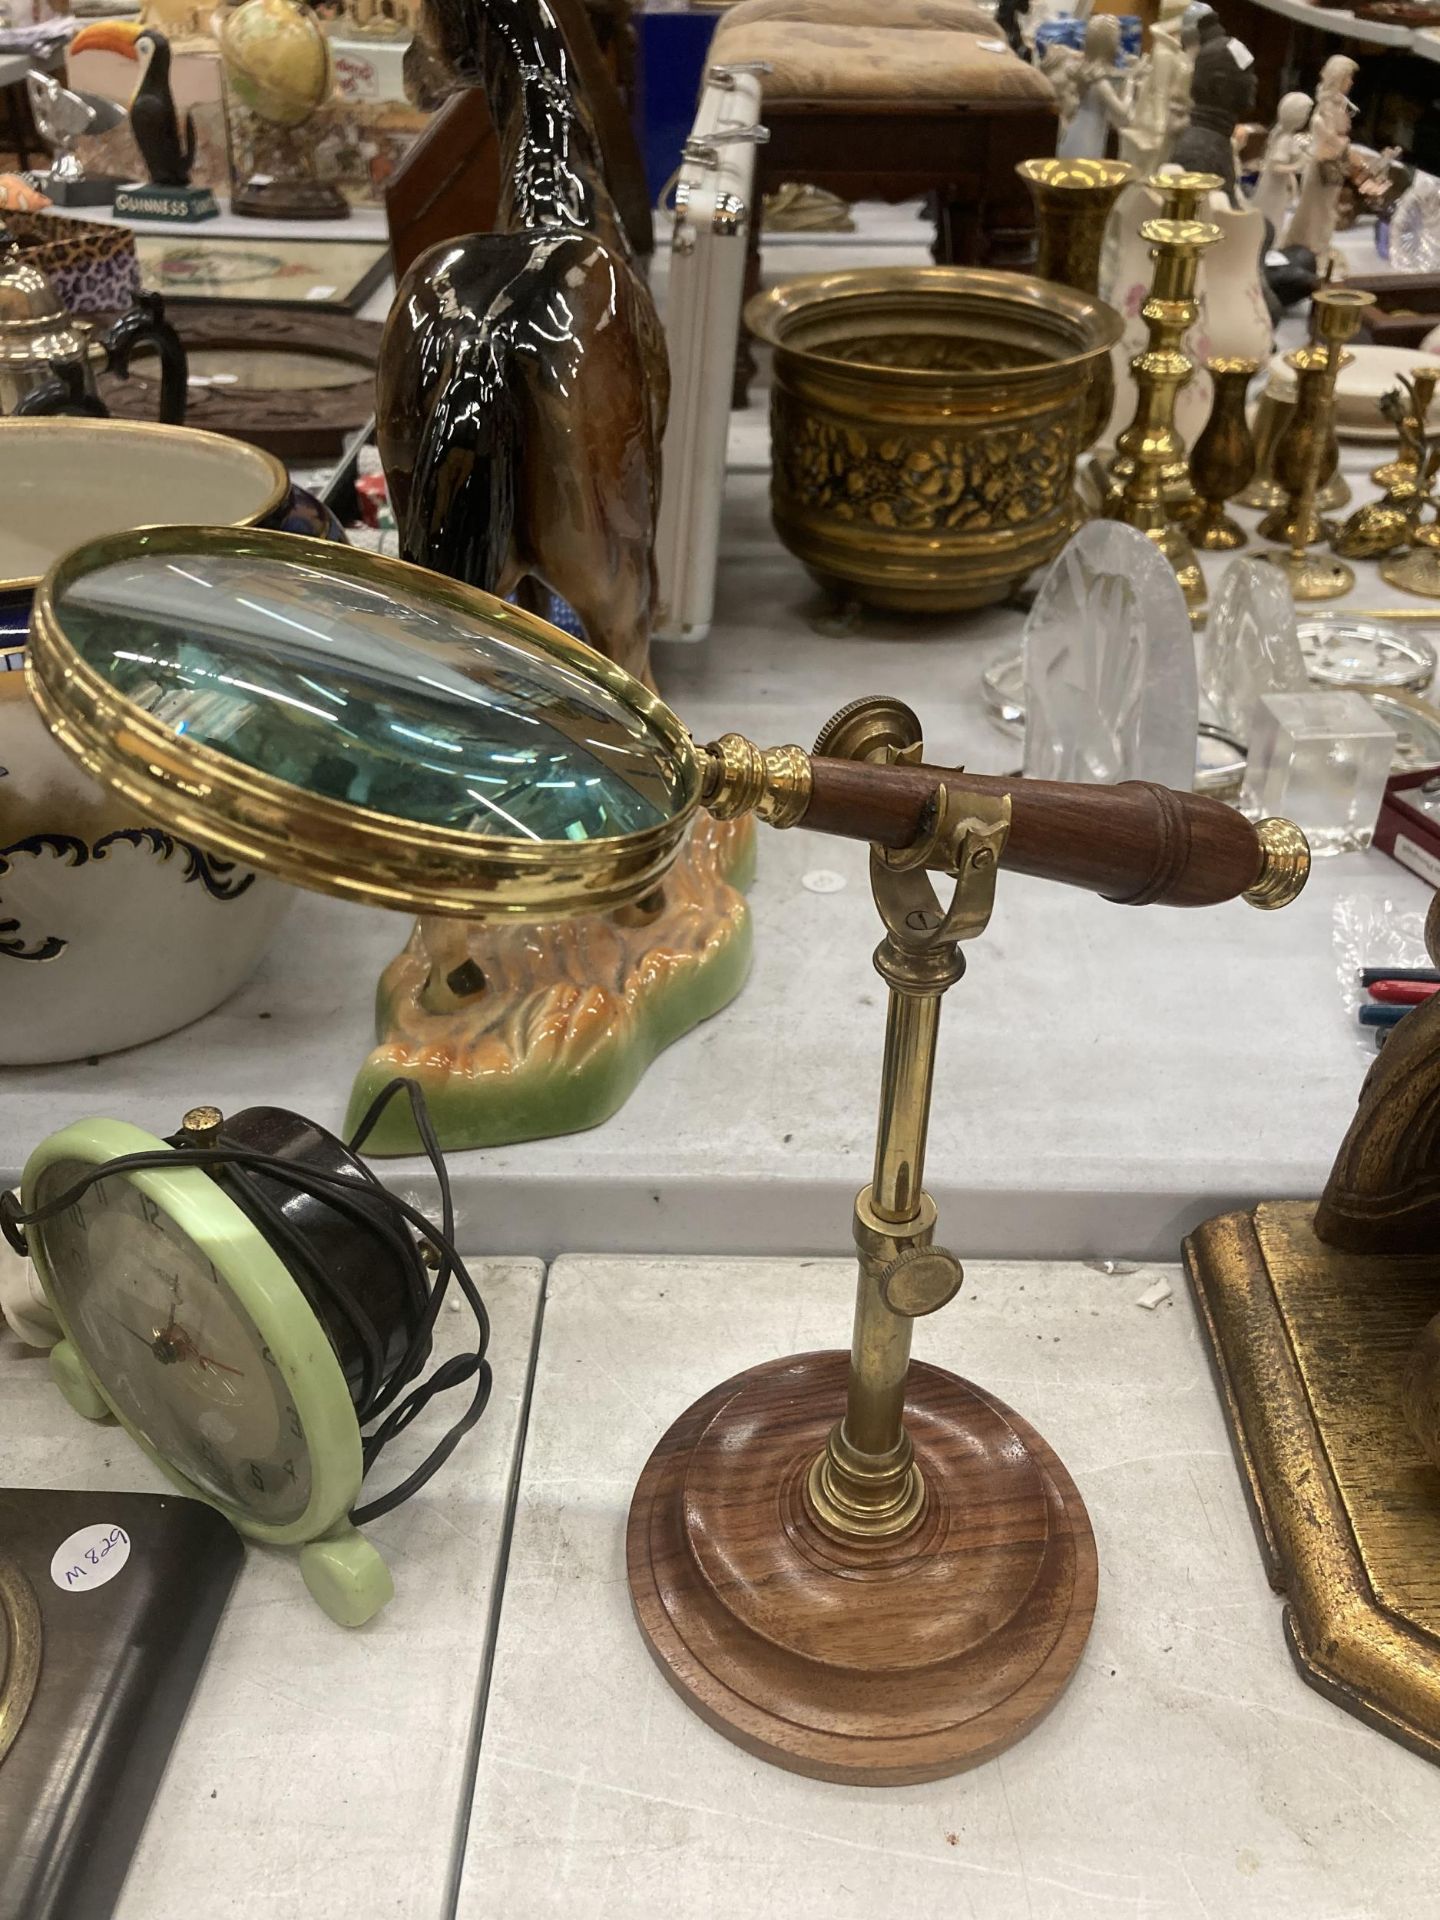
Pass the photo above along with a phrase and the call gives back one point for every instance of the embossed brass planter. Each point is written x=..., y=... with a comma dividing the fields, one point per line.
x=925, y=423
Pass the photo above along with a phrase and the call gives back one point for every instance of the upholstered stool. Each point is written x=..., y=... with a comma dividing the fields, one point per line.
x=892, y=100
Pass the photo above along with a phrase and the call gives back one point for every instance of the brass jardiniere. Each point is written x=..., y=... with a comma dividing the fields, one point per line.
x=925, y=423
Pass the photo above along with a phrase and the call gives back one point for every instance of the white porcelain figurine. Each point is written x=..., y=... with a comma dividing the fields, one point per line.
x=1162, y=103
x=1285, y=154
x=1313, y=222
x=1095, y=93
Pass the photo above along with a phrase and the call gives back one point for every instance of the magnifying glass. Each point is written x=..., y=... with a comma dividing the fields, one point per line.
x=888, y=1595
x=369, y=729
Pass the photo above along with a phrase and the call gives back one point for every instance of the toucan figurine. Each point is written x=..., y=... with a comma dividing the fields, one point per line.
x=153, y=119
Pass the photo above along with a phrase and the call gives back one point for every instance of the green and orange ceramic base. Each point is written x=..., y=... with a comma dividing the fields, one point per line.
x=571, y=1013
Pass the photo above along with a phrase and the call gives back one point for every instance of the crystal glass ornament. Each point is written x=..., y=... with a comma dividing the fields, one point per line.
x=403, y=704
x=1250, y=645
x=1339, y=650
x=1110, y=688
x=1321, y=758
x=1417, y=729
x=1002, y=687
x=1415, y=227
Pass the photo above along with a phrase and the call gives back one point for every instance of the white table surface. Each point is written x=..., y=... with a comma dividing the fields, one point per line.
x=1107, y=1077
x=1187, y=1774
x=322, y=1771
x=363, y=223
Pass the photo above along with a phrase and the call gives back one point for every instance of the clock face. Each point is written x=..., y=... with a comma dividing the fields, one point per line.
x=177, y=1354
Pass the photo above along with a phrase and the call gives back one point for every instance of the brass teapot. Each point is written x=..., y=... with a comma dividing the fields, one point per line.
x=49, y=358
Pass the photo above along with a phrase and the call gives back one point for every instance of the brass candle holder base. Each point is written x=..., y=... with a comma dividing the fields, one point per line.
x=1311, y=573
x=1212, y=531
x=1173, y=540
x=1417, y=569
x=877, y=1663
x=1264, y=495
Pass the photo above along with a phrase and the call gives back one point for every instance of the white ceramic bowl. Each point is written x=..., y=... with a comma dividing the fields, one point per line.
x=65, y=481
x=1360, y=386
x=112, y=932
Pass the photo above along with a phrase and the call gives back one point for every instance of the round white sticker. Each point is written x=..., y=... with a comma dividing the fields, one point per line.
x=822, y=880
x=89, y=1558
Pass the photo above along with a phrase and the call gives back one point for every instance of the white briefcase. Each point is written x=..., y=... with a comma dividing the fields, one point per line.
x=702, y=318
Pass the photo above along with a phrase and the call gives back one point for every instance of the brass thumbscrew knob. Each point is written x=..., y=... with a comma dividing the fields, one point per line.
x=920, y=1280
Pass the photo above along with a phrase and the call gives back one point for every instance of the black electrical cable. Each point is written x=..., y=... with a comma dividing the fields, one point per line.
x=379, y=1392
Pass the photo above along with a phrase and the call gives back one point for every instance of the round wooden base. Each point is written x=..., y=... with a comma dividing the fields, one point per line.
x=877, y=1664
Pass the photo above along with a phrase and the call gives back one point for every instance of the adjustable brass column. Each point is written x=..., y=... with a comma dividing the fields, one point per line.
x=865, y=1484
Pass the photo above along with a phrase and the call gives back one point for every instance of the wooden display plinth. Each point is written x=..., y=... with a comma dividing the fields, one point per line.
x=881, y=1663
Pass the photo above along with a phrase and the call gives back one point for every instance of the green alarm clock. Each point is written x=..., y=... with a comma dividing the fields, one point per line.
x=245, y=1298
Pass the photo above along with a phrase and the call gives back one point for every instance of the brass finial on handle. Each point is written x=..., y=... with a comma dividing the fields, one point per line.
x=1284, y=864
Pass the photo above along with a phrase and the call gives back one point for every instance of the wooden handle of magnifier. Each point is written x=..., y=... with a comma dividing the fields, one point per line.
x=1136, y=843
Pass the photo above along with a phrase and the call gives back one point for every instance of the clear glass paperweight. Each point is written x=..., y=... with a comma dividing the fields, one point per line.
x=1110, y=689
x=1320, y=759
x=1250, y=645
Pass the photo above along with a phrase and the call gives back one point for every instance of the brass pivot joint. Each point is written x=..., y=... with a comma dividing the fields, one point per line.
x=739, y=778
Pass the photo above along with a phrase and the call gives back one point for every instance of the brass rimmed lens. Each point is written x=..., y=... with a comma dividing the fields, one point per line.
x=359, y=726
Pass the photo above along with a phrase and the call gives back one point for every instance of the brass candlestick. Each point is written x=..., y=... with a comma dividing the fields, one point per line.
x=1181, y=195
x=1300, y=457
x=1150, y=443
x=1224, y=456
x=1402, y=474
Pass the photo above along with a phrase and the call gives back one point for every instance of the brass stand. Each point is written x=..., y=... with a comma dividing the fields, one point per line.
x=905, y=1595
x=1224, y=457
x=1150, y=443
x=1300, y=458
